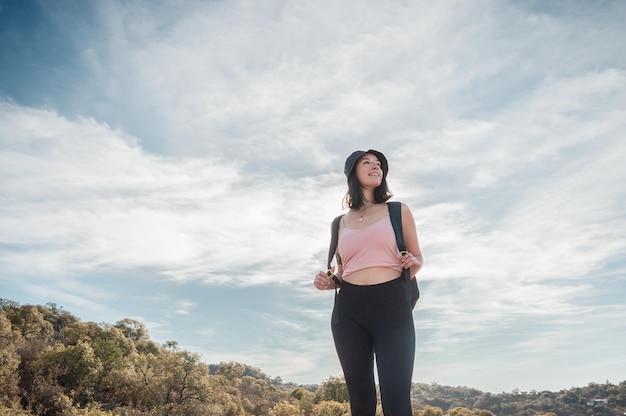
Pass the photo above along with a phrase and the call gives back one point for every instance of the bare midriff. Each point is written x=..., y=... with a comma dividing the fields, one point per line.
x=371, y=276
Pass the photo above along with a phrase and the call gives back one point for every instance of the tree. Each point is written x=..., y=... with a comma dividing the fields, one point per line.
x=184, y=374
x=333, y=389
x=233, y=371
x=9, y=363
x=6, y=303
x=13, y=411
x=429, y=411
x=305, y=398
x=459, y=411
x=177, y=382
x=257, y=395
x=57, y=317
x=331, y=408
x=75, y=368
x=132, y=329
x=171, y=345
x=30, y=322
x=109, y=343
x=286, y=409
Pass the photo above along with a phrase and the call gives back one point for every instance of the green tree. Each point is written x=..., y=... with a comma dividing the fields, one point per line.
x=141, y=378
x=75, y=368
x=233, y=371
x=176, y=382
x=93, y=409
x=109, y=343
x=570, y=397
x=305, y=398
x=429, y=411
x=13, y=411
x=333, y=389
x=57, y=317
x=171, y=345
x=256, y=394
x=55, y=376
x=30, y=322
x=111, y=347
x=331, y=408
x=132, y=329
x=225, y=396
x=184, y=377
x=9, y=363
x=286, y=409
x=460, y=411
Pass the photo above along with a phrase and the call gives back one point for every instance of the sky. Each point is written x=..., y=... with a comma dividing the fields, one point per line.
x=179, y=163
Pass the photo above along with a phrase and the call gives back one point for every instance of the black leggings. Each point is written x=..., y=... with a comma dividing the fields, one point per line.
x=375, y=320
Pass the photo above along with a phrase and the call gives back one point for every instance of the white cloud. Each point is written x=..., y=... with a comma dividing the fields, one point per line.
x=80, y=197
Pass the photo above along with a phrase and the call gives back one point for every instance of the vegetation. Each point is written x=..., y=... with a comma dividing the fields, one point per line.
x=51, y=363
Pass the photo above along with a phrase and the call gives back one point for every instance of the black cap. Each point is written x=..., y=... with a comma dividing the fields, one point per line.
x=355, y=156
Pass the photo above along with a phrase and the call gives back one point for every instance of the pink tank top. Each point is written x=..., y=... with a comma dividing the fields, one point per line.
x=373, y=246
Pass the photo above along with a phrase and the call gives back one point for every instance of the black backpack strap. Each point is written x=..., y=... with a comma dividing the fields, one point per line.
x=395, y=214
x=334, y=238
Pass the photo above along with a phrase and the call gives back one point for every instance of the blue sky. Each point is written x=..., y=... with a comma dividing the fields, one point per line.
x=180, y=162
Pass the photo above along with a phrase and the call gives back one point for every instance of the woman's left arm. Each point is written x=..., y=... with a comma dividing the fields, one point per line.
x=413, y=259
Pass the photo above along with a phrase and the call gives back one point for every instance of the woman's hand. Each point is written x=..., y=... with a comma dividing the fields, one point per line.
x=323, y=282
x=410, y=261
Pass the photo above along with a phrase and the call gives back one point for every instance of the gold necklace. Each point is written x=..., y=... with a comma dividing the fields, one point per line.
x=364, y=211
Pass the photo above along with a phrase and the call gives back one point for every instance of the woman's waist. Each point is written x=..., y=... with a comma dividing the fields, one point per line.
x=371, y=276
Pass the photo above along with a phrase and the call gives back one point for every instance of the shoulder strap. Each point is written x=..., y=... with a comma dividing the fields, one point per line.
x=334, y=238
x=395, y=213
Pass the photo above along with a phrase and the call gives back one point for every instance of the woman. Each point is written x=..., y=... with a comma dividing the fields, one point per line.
x=373, y=315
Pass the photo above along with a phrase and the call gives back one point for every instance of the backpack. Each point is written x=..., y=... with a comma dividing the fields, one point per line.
x=395, y=214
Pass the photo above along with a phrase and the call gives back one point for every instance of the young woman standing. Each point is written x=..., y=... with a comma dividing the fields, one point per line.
x=372, y=317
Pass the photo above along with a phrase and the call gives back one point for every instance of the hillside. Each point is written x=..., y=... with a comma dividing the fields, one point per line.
x=52, y=363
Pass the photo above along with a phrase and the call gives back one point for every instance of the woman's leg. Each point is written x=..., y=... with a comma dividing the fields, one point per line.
x=356, y=354
x=395, y=354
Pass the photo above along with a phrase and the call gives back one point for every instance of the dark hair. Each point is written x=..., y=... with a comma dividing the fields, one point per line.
x=354, y=197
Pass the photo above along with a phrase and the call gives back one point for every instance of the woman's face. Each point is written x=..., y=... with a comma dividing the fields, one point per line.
x=368, y=171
